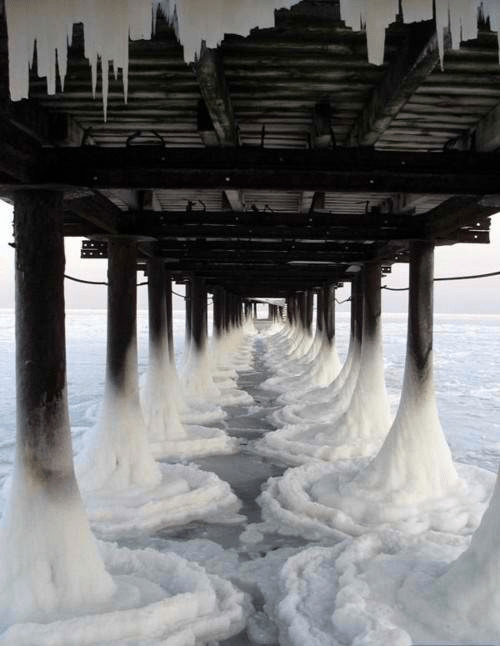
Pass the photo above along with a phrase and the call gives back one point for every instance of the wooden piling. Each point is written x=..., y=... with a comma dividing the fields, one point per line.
x=43, y=432
x=329, y=312
x=169, y=315
x=198, y=313
x=421, y=306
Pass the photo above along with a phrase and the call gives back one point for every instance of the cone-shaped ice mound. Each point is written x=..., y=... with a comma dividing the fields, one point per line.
x=463, y=601
x=355, y=421
x=161, y=398
x=50, y=560
x=384, y=589
x=157, y=599
x=412, y=482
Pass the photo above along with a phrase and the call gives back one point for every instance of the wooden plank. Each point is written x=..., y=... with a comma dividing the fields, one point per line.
x=406, y=72
x=483, y=137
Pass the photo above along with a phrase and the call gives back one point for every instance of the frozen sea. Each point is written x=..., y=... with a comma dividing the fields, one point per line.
x=468, y=392
x=467, y=351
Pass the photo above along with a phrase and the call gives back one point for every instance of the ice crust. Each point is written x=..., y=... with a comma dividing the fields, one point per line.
x=315, y=501
x=184, y=494
x=158, y=599
x=108, y=26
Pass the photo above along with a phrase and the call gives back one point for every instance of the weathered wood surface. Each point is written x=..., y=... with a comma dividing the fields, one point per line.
x=122, y=312
x=43, y=432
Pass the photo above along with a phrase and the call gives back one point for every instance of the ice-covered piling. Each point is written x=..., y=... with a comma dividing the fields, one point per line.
x=198, y=374
x=117, y=454
x=415, y=461
x=49, y=558
x=160, y=404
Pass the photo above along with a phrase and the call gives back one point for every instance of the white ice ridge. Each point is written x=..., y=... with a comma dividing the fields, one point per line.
x=108, y=26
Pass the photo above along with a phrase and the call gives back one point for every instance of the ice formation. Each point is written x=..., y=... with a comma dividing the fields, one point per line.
x=50, y=560
x=169, y=437
x=117, y=454
x=353, y=419
x=108, y=26
x=185, y=494
x=390, y=589
x=464, y=601
x=157, y=599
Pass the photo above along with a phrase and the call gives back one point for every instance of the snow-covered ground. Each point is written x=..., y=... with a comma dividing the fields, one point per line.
x=296, y=579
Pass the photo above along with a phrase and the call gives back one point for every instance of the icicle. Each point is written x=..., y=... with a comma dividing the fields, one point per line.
x=379, y=15
x=109, y=25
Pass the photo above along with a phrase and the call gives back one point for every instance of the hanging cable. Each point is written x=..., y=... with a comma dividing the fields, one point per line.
x=94, y=282
x=446, y=278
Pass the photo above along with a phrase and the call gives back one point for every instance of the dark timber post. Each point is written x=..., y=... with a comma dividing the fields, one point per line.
x=218, y=311
x=329, y=304
x=357, y=307
x=122, y=313
x=188, y=303
x=198, y=313
x=309, y=309
x=43, y=445
x=157, y=308
x=320, y=310
x=169, y=314
x=420, y=314
x=372, y=288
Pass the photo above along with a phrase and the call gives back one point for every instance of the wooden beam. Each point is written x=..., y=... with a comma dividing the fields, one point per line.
x=455, y=217
x=235, y=200
x=484, y=137
x=322, y=135
x=98, y=211
x=339, y=169
x=214, y=90
x=405, y=73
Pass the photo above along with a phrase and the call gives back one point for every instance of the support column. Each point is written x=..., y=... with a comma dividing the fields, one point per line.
x=122, y=316
x=157, y=309
x=415, y=459
x=169, y=314
x=117, y=454
x=320, y=310
x=189, y=315
x=220, y=323
x=357, y=308
x=329, y=310
x=309, y=310
x=45, y=525
x=43, y=435
x=198, y=313
x=421, y=310
x=161, y=412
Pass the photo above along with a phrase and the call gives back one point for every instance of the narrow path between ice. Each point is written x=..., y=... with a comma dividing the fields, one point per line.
x=254, y=568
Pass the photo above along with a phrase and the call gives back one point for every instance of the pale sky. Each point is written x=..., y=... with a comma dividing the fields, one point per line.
x=468, y=297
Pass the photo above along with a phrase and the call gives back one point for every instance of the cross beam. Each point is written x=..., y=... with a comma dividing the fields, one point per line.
x=338, y=169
